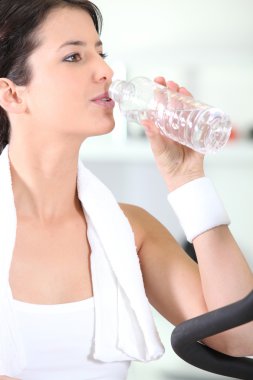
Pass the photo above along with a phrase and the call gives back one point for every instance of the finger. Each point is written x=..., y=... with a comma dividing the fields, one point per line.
x=184, y=91
x=155, y=137
x=160, y=80
x=150, y=128
x=173, y=86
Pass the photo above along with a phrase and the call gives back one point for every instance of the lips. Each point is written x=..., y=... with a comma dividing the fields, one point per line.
x=104, y=97
x=104, y=100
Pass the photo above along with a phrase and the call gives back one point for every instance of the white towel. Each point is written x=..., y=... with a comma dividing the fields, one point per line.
x=124, y=326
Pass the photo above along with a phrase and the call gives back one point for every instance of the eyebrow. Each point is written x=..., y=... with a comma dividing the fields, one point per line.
x=79, y=43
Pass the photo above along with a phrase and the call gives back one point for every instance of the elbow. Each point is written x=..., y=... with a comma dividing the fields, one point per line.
x=239, y=351
x=239, y=341
x=235, y=345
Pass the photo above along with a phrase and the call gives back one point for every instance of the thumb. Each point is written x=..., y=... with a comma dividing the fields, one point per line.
x=150, y=128
x=159, y=143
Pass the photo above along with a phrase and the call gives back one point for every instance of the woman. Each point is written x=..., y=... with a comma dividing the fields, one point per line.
x=72, y=299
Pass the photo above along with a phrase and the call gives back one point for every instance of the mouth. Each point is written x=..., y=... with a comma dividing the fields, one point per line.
x=104, y=100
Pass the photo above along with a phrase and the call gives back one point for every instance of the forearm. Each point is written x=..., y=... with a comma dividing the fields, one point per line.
x=225, y=274
x=226, y=278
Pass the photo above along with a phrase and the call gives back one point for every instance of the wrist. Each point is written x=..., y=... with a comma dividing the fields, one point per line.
x=198, y=207
x=181, y=180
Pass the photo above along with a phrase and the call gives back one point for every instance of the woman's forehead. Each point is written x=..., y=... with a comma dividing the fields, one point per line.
x=68, y=24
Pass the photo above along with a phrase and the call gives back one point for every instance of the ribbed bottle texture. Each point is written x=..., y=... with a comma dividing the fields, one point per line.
x=199, y=126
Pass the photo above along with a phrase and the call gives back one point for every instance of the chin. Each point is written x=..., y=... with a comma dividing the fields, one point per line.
x=106, y=128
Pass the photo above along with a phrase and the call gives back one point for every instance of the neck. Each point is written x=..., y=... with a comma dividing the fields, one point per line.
x=44, y=180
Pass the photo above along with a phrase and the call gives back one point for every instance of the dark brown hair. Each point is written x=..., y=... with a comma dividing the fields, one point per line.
x=19, y=21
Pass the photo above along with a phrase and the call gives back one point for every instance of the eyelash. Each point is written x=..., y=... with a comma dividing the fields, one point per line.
x=103, y=55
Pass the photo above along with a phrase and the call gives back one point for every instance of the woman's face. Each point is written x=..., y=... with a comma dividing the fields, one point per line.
x=68, y=74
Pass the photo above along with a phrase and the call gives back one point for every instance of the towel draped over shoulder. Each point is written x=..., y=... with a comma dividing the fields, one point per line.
x=124, y=325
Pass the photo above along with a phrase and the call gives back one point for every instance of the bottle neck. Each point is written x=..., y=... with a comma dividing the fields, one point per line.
x=120, y=88
x=115, y=90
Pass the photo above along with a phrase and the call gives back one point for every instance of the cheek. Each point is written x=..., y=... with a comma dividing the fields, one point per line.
x=67, y=104
x=70, y=97
x=56, y=97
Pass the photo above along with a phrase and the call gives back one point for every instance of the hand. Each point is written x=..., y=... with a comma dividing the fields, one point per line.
x=177, y=163
x=7, y=378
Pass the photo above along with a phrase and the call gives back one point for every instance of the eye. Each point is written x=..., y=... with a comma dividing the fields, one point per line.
x=75, y=57
x=103, y=55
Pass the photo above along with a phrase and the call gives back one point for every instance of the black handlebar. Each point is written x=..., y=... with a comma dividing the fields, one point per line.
x=186, y=336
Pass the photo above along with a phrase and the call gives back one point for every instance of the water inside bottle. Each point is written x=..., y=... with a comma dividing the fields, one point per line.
x=205, y=129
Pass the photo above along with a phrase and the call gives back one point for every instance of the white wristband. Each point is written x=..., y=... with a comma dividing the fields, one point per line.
x=198, y=207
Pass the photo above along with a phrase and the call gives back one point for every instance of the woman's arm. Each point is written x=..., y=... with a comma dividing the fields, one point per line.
x=175, y=285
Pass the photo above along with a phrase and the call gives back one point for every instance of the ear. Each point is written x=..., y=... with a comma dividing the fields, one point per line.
x=12, y=97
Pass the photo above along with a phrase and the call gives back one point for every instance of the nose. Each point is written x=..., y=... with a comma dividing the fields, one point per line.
x=103, y=72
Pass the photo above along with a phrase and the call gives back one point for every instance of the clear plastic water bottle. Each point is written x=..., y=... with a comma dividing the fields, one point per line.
x=199, y=126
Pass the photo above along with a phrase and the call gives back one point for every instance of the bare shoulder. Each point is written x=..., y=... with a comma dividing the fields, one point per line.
x=145, y=226
x=138, y=215
x=135, y=216
x=134, y=213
